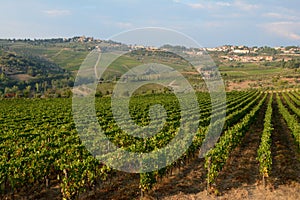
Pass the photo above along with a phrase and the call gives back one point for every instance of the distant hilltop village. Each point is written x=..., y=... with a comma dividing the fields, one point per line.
x=255, y=54
x=225, y=52
x=247, y=50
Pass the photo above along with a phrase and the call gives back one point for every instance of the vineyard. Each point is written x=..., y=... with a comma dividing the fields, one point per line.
x=43, y=157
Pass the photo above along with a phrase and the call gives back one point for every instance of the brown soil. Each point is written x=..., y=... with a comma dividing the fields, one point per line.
x=283, y=192
x=248, y=84
x=121, y=186
x=286, y=158
x=21, y=77
x=242, y=168
x=240, y=85
x=188, y=180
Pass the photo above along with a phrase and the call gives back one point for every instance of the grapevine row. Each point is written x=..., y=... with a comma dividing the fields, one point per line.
x=216, y=158
x=291, y=104
x=291, y=120
x=295, y=97
x=264, y=150
x=147, y=180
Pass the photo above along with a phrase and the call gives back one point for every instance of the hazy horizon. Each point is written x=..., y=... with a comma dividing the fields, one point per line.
x=210, y=23
x=106, y=39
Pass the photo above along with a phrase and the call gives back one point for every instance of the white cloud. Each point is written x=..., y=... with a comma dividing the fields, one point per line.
x=274, y=15
x=285, y=29
x=56, y=13
x=238, y=4
x=225, y=4
x=196, y=5
x=242, y=5
x=206, y=4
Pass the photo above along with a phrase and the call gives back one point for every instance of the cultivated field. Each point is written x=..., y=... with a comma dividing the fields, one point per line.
x=256, y=157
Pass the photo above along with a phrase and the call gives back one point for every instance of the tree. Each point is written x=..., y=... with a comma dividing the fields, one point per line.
x=44, y=86
x=2, y=77
x=37, y=87
x=27, y=91
x=30, y=71
x=98, y=94
x=14, y=89
x=7, y=90
x=19, y=93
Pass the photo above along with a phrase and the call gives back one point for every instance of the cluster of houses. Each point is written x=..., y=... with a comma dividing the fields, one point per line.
x=81, y=39
x=248, y=54
x=248, y=58
x=254, y=50
x=292, y=50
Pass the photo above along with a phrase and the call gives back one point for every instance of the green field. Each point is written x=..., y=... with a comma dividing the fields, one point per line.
x=253, y=70
x=40, y=145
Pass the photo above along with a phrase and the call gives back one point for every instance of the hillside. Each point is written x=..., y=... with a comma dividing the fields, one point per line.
x=49, y=66
x=19, y=71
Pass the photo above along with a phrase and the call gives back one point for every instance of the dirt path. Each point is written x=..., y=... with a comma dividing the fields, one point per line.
x=188, y=180
x=121, y=186
x=285, y=153
x=60, y=51
x=242, y=168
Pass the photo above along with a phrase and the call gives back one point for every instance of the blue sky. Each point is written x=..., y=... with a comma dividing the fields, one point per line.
x=209, y=22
